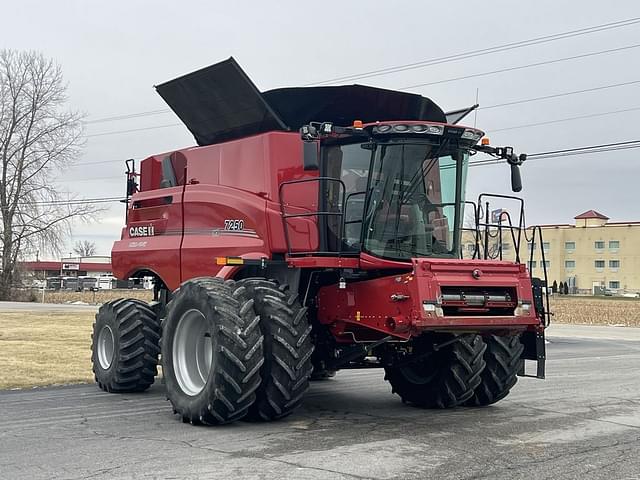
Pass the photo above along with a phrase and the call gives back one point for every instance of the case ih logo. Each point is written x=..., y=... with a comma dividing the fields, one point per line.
x=146, y=231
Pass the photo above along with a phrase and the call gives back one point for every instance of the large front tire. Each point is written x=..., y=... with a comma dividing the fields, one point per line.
x=125, y=346
x=287, y=349
x=500, y=375
x=439, y=378
x=211, y=351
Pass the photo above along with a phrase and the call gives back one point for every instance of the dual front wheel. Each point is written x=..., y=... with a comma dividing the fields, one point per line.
x=230, y=350
x=444, y=371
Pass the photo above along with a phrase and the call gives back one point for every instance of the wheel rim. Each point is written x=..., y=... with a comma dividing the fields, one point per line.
x=106, y=347
x=192, y=352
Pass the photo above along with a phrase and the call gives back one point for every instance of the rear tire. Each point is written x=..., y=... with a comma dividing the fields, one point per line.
x=211, y=351
x=443, y=379
x=502, y=357
x=125, y=346
x=287, y=349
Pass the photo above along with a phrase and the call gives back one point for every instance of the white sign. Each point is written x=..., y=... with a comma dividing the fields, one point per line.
x=71, y=266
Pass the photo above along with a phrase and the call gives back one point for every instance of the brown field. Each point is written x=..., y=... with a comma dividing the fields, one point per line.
x=54, y=348
x=596, y=310
x=94, y=298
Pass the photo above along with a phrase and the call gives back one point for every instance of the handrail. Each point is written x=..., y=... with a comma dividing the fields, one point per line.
x=517, y=232
x=286, y=216
x=547, y=314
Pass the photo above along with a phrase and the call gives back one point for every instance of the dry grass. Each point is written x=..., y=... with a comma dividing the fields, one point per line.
x=54, y=348
x=96, y=298
x=44, y=349
x=596, y=311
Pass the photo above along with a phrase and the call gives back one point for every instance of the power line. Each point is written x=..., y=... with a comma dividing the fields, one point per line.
x=605, y=147
x=561, y=120
x=498, y=105
x=509, y=69
x=95, y=179
x=127, y=116
x=514, y=127
x=425, y=63
x=132, y=130
x=520, y=67
x=79, y=201
x=483, y=51
x=558, y=95
x=567, y=150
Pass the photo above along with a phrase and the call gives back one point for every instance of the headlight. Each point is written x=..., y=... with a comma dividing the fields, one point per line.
x=382, y=128
x=432, y=309
x=523, y=309
x=435, y=129
x=472, y=135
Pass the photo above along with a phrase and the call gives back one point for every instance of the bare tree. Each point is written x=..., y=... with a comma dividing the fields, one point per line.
x=39, y=138
x=84, y=248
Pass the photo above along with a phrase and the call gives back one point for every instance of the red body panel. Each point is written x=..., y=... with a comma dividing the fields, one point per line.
x=237, y=180
x=393, y=305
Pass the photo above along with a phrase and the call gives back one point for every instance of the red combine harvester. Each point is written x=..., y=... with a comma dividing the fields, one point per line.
x=314, y=229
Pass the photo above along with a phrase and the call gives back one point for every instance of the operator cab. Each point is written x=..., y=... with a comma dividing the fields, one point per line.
x=400, y=192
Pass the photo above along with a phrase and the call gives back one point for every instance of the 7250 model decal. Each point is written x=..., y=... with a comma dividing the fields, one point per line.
x=234, y=224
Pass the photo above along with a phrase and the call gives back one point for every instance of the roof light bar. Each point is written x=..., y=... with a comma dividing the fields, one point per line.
x=417, y=128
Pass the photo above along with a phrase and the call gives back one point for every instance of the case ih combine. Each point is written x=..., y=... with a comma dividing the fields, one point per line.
x=313, y=229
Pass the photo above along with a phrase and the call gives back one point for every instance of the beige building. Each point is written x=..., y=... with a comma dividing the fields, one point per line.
x=591, y=255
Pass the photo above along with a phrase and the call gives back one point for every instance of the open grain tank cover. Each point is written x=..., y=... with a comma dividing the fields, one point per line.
x=220, y=103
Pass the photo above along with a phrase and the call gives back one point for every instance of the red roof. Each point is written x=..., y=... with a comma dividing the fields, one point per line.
x=591, y=214
x=84, y=266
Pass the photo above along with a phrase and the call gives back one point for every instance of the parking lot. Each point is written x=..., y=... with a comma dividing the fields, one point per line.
x=582, y=422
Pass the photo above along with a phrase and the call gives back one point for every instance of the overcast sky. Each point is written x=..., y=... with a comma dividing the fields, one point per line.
x=112, y=53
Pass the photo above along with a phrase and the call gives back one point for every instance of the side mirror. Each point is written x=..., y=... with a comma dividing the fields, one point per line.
x=516, y=179
x=515, y=161
x=311, y=155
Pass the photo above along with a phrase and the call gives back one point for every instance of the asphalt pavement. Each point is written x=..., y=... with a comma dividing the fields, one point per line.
x=583, y=422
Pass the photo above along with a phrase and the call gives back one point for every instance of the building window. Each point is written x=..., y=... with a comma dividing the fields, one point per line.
x=547, y=263
x=531, y=246
x=614, y=244
x=545, y=246
x=599, y=245
x=532, y=265
x=506, y=247
x=599, y=264
x=614, y=264
x=471, y=247
x=615, y=284
x=569, y=264
x=569, y=245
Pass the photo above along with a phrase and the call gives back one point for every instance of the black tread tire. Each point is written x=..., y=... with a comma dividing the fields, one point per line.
x=287, y=349
x=502, y=357
x=450, y=375
x=136, y=346
x=236, y=348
